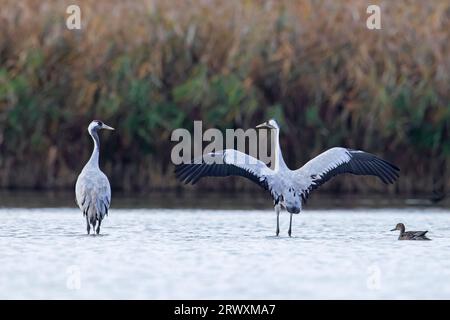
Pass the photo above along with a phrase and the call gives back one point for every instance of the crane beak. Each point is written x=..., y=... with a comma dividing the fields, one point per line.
x=264, y=125
x=107, y=127
x=394, y=229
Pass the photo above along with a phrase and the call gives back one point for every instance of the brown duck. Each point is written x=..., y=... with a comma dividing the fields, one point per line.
x=410, y=235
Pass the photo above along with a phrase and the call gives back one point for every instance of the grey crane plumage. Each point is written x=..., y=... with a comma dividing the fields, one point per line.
x=289, y=188
x=92, y=189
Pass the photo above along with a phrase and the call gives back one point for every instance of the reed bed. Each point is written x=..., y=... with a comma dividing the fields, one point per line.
x=148, y=67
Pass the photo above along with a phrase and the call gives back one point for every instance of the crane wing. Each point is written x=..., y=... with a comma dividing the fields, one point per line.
x=225, y=163
x=336, y=161
x=93, y=193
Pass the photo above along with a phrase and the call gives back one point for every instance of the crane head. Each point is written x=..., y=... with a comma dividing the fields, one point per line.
x=98, y=125
x=270, y=124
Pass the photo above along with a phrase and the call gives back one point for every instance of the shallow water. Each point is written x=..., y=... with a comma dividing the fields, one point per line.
x=212, y=254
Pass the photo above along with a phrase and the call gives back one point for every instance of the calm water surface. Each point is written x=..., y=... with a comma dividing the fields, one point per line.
x=213, y=254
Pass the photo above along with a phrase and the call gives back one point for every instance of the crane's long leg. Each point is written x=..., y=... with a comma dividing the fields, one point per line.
x=290, y=226
x=98, y=228
x=93, y=224
x=88, y=225
x=277, y=210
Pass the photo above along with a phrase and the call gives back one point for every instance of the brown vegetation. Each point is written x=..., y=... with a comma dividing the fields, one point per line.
x=147, y=67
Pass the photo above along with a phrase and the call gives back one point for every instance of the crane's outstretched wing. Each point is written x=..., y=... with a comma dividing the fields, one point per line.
x=336, y=161
x=225, y=163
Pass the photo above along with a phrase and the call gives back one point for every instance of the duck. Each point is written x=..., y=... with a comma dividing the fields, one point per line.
x=410, y=235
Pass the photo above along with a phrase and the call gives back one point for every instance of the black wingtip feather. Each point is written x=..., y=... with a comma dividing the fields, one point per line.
x=381, y=172
x=191, y=173
x=390, y=169
x=388, y=172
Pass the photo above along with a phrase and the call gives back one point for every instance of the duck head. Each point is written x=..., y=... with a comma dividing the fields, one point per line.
x=399, y=226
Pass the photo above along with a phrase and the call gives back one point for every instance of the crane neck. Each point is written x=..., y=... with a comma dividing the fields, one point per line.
x=279, y=161
x=93, y=161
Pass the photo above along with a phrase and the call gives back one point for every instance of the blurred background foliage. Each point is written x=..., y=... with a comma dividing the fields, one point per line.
x=147, y=67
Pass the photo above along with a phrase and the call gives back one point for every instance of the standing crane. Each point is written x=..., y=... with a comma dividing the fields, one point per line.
x=289, y=188
x=92, y=190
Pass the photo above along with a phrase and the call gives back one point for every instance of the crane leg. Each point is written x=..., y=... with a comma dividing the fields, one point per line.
x=290, y=226
x=98, y=228
x=277, y=210
x=93, y=225
x=88, y=227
